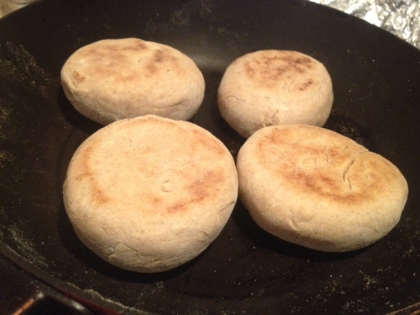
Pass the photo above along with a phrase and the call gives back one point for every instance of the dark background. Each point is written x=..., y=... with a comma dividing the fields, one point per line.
x=375, y=77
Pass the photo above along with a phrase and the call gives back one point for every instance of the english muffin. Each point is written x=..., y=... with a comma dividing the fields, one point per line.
x=314, y=187
x=148, y=194
x=114, y=79
x=274, y=87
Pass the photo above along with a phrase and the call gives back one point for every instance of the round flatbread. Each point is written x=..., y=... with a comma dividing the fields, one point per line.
x=274, y=87
x=316, y=188
x=114, y=79
x=148, y=194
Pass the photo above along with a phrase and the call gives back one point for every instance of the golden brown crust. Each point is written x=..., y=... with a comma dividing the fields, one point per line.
x=153, y=175
x=270, y=69
x=200, y=185
x=320, y=167
x=107, y=60
x=317, y=188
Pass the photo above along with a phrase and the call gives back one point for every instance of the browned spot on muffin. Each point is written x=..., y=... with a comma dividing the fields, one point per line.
x=200, y=189
x=86, y=173
x=316, y=168
x=305, y=85
x=272, y=67
x=162, y=61
x=177, y=207
x=79, y=77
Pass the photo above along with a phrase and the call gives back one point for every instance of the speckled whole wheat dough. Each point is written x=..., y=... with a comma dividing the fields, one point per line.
x=319, y=189
x=114, y=79
x=148, y=194
x=274, y=87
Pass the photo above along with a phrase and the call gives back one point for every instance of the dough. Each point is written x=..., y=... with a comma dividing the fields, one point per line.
x=316, y=188
x=114, y=79
x=148, y=194
x=274, y=87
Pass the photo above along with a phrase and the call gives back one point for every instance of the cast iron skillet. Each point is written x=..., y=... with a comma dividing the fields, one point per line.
x=376, y=82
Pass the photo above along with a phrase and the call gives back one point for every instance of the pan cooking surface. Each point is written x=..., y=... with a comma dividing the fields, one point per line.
x=375, y=76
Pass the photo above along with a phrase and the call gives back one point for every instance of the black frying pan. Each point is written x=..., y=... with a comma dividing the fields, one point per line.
x=377, y=96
